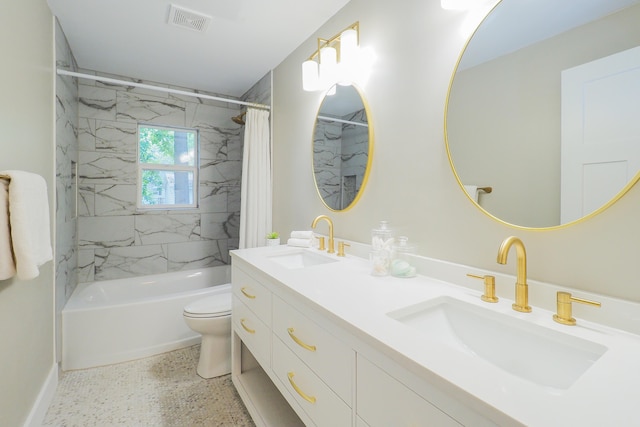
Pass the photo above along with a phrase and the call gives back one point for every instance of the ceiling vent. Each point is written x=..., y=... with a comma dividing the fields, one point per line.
x=188, y=19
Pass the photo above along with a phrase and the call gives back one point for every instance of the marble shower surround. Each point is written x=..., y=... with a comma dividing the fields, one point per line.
x=115, y=239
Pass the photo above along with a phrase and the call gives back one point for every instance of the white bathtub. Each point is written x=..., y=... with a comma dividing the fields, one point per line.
x=115, y=321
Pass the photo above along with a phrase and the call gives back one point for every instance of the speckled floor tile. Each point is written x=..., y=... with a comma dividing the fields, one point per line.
x=162, y=390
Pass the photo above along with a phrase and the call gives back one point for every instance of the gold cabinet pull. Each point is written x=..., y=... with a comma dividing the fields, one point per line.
x=247, y=294
x=251, y=331
x=304, y=395
x=300, y=342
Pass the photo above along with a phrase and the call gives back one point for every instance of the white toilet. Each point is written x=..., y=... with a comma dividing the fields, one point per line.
x=211, y=317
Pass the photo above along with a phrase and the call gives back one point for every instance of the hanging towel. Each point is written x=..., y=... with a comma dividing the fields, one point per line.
x=306, y=234
x=472, y=191
x=29, y=222
x=7, y=265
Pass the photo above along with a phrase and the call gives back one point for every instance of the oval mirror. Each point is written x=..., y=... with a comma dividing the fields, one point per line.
x=342, y=147
x=542, y=114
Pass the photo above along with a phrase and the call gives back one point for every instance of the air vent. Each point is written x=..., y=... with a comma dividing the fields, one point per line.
x=188, y=19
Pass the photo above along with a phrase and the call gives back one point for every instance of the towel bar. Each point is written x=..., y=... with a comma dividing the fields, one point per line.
x=485, y=189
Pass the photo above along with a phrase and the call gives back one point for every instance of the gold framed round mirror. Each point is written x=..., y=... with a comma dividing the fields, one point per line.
x=541, y=118
x=342, y=147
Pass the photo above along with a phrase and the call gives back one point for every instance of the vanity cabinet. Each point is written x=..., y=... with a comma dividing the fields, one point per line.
x=294, y=365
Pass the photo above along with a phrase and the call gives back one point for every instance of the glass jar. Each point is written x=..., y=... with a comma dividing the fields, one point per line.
x=381, y=249
x=402, y=262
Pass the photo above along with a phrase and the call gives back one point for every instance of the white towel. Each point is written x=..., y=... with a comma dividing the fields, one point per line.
x=300, y=243
x=29, y=221
x=306, y=234
x=7, y=265
x=472, y=191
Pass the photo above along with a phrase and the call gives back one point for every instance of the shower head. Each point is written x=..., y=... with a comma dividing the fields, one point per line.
x=239, y=119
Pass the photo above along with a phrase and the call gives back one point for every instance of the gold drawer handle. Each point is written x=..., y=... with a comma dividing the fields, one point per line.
x=251, y=331
x=246, y=294
x=305, y=396
x=299, y=342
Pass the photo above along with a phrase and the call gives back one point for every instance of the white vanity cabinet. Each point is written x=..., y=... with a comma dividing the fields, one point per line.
x=295, y=365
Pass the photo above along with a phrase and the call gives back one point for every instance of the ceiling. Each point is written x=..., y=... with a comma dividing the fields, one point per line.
x=244, y=39
x=515, y=24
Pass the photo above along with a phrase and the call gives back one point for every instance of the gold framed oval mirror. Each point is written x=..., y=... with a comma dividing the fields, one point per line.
x=542, y=110
x=342, y=147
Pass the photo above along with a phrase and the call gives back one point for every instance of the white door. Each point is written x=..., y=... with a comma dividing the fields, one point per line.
x=600, y=131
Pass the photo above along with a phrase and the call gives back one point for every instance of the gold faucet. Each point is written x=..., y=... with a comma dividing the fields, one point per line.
x=315, y=222
x=522, y=289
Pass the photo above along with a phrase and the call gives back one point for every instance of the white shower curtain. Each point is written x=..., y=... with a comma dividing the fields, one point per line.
x=255, y=205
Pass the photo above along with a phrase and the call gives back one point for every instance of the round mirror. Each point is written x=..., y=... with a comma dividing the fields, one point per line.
x=342, y=147
x=542, y=123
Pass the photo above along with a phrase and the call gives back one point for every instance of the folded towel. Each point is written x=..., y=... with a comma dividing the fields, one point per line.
x=306, y=234
x=7, y=265
x=301, y=243
x=29, y=221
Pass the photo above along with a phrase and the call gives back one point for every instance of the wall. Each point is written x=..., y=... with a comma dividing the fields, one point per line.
x=524, y=104
x=26, y=120
x=411, y=182
x=66, y=184
x=115, y=239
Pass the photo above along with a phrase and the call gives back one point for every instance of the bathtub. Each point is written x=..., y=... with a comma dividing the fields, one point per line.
x=119, y=320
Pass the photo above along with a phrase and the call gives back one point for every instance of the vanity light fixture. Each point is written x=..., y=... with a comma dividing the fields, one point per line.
x=335, y=61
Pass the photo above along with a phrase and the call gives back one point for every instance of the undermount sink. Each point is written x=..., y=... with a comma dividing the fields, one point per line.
x=543, y=356
x=300, y=258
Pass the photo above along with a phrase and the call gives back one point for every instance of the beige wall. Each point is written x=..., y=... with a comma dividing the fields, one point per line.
x=26, y=143
x=411, y=183
x=504, y=118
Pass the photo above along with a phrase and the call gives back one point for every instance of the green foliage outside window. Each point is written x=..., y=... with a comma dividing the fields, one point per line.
x=171, y=148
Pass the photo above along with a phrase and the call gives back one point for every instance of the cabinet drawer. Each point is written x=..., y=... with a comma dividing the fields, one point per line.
x=328, y=357
x=323, y=406
x=253, y=332
x=383, y=401
x=253, y=294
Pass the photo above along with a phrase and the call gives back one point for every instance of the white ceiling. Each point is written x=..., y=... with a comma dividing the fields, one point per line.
x=515, y=24
x=244, y=40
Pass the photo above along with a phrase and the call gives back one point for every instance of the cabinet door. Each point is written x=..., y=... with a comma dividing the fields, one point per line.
x=315, y=398
x=253, y=332
x=383, y=401
x=328, y=357
x=253, y=294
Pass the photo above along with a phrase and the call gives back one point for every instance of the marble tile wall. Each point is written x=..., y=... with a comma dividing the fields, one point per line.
x=340, y=150
x=114, y=239
x=66, y=250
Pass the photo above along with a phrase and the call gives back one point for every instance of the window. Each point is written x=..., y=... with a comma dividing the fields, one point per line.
x=167, y=167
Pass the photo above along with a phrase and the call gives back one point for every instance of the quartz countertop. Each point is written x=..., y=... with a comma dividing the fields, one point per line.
x=346, y=292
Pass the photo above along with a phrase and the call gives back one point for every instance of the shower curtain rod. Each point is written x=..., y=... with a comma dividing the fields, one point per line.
x=160, y=89
x=348, y=122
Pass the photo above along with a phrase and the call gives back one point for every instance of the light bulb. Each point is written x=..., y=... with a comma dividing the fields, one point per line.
x=310, y=76
x=328, y=66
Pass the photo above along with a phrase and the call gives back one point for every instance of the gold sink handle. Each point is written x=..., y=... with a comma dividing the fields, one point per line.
x=321, y=246
x=564, y=314
x=341, y=246
x=489, y=287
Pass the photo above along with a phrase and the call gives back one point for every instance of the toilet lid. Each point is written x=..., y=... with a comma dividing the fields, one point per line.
x=213, y=306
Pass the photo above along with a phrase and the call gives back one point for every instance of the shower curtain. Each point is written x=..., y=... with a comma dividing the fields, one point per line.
x=255, y=204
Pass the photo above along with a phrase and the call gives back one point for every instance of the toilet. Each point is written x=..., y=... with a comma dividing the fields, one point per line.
x=211, y=317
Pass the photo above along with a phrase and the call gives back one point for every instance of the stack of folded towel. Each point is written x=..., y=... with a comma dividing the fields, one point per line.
x=301, y=239
x=25, y=239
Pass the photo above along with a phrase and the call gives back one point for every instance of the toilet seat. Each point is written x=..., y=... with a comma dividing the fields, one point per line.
x=214, y=306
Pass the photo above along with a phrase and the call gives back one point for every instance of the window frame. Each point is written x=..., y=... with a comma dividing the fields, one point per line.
x=167, y=167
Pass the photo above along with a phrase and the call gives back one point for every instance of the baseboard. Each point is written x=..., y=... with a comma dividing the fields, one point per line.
x=43, y=401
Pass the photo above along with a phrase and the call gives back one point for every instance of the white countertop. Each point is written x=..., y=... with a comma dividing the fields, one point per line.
x=605, y=394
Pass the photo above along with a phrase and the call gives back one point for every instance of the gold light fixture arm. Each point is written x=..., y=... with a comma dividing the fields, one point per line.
x=332, y=41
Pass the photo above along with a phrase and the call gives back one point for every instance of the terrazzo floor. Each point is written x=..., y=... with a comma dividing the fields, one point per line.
x=162, y=390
